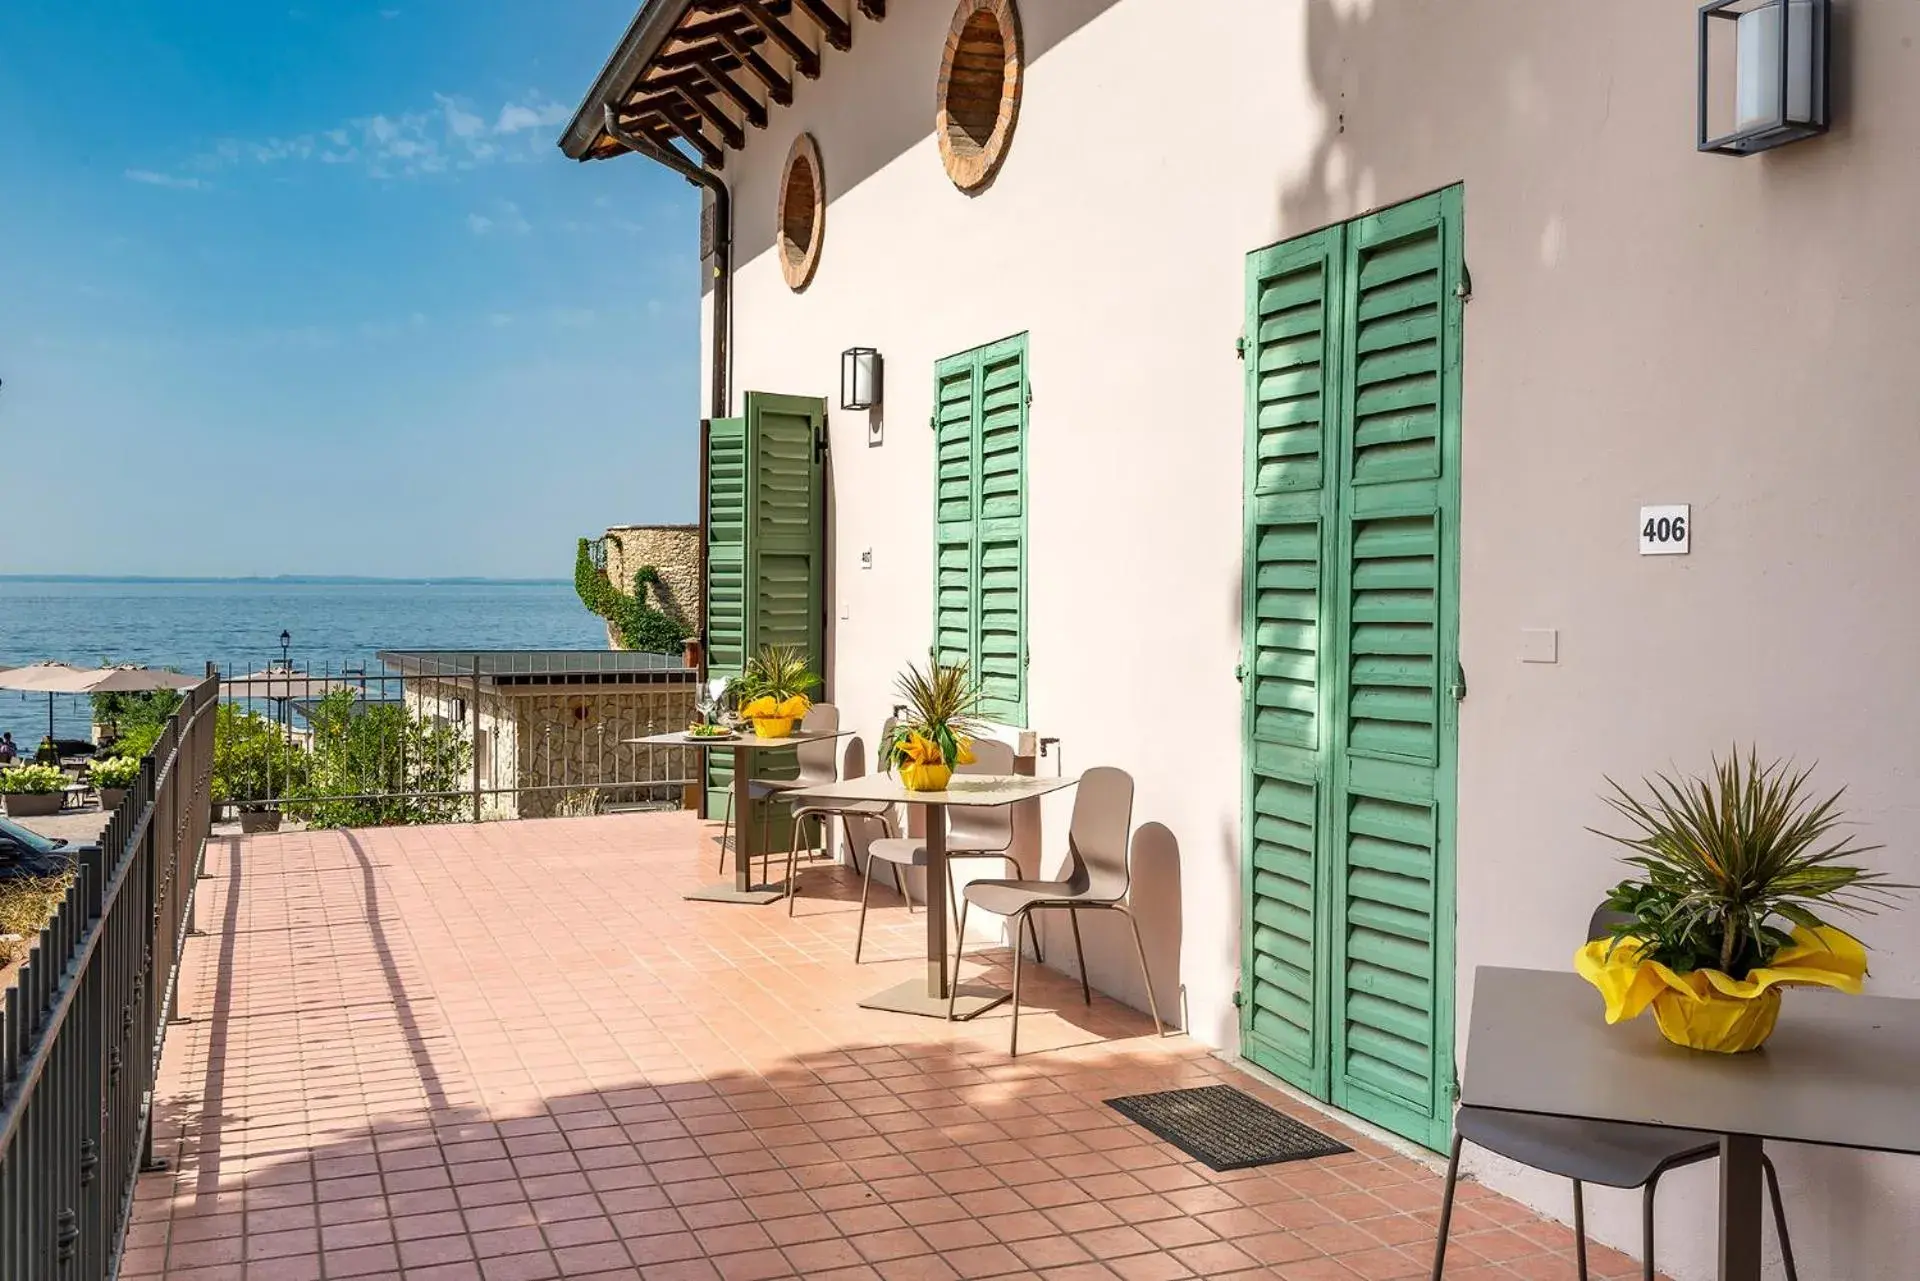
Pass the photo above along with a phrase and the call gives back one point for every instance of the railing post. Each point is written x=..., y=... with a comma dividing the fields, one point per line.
x=473, y=712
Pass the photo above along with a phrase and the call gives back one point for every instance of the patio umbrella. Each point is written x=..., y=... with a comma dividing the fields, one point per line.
x=64, y=678
x=281, y=684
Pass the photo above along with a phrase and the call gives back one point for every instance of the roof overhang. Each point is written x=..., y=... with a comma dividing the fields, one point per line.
x=697, y=74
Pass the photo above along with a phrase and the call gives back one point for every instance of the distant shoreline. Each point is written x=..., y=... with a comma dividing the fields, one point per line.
x=290, y=580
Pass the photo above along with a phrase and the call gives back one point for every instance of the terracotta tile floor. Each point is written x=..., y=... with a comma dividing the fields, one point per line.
x=512, y=1052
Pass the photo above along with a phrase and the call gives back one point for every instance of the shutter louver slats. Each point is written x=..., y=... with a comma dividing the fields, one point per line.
x=1388, y=998
x=726, y=575
x=953, y=512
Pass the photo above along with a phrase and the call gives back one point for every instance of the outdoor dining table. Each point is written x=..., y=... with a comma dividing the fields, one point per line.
x=929, y=996
x=1838, y=1071
x=742, y=746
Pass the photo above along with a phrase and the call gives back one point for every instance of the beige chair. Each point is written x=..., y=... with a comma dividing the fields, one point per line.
x=821, y=810
x=1099, y=876
x=817, y=766
x=972, y=832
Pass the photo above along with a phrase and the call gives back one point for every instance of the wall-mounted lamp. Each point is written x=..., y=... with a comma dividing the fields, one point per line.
x=860, y=371
x=1780, y=72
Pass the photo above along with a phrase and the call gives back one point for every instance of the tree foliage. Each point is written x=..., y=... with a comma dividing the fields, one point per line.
x=637, y=624
x=380, y=764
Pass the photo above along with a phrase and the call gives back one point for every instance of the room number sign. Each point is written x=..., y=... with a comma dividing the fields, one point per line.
x=1664, y=531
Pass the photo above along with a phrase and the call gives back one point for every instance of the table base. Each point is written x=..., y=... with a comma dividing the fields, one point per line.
x=725, y=892
x=911, y=998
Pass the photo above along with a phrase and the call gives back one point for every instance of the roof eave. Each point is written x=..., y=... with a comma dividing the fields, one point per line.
x=648, y=31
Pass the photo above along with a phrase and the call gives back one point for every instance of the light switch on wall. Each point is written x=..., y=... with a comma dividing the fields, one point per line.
x=1539, y=645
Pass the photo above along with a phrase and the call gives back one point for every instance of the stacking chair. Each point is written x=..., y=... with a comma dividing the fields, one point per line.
x=1610, y=1153
x=1099, y=874
x=971, y=833
x=846, y=811
x=816, y=767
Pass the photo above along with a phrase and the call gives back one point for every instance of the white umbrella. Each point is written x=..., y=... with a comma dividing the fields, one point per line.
x=64, y=678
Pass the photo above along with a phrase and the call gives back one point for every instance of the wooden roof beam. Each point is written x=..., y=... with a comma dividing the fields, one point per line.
x=805, y=60
x=750, y=106
x=730, y=133
x=779, y=88
x=837, y=30
x=666, y=113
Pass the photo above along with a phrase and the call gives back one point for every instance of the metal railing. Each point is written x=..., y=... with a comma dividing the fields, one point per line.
x=84, y=1024
x=438, y=736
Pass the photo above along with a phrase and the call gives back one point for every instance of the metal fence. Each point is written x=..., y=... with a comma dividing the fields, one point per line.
x=83, y=1027
x=455, y=735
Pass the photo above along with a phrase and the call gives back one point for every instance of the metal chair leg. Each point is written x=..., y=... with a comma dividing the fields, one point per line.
x=1446, y=1211
x=1153, y=1007
x=1086, y=991
x=1779, y=1216
x=1579, y=1232
x=860, y=932
x=1013, y=1039
x=959, y=949
x=1033, y=934
x=953, y=896
x=1646, y=1229
x=726, y=826
x=900, y=885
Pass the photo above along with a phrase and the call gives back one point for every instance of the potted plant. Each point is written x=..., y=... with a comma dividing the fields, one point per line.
x=936, y=733
x=1736, y=871
x=113, y=775
x=253, y=765
x=33, y=790
x=772, y=692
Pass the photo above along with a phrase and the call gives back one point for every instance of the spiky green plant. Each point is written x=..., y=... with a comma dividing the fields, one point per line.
x=1727, y=858
x=778, y=672
x=942, y=701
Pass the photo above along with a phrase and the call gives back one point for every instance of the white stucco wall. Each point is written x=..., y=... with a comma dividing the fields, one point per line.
x=1648, y=325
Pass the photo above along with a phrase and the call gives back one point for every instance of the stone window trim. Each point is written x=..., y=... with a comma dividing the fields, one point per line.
x=801, y=220
x=981, y=72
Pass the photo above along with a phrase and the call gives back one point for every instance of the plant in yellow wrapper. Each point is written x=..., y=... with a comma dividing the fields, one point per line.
x=936, y=733
x=774, y=689
x=1724, y=916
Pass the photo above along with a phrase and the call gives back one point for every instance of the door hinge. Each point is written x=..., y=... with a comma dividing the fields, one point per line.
x=820, y=444
x=1239, y=998
x=1464, y=290
x=1458, y=689
x=1240, y=347
x=1240, y=672
x=1453, y=1089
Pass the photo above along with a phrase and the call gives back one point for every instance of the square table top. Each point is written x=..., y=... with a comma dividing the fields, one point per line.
x=746, y=740
x=966, y=791
x=1838, y=1070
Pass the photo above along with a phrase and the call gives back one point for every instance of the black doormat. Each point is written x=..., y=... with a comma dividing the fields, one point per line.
x=1224, y=1129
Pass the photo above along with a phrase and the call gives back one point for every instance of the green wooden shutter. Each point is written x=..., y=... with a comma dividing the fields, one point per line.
x=1292, y=298
x=726, y=574
x=980, y=521
x=1000, y=532
x=1351, y=635
x=766, y=548
x=1393, y=950
x=955, y=407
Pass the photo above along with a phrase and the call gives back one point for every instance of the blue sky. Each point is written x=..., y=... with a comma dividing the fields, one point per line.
x=310, y=289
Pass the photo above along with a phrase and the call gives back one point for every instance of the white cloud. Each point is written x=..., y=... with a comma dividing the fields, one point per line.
x=505, y=218
x=153, y=179
x=479, y=224
x=516, y=116
x=461, y=123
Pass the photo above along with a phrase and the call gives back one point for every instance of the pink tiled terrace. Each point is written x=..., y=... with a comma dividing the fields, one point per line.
x=512, y=1052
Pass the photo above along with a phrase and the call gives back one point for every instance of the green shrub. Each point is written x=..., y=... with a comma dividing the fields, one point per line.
x=371, y=762
x=252, y=760
x=114, y=771
x=32, y=780
x=637, y=625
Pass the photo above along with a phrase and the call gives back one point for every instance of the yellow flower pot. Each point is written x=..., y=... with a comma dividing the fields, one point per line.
x=1711, y=1010
x=925, y=778
x=773, y=726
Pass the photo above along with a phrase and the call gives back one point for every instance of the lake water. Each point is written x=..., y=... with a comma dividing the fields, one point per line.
x=186, y=625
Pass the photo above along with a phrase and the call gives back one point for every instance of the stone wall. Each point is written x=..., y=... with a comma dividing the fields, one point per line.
x=545, y=743
x=674, y=550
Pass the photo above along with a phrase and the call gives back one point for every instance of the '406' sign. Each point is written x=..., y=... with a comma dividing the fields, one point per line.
x=1664, y=530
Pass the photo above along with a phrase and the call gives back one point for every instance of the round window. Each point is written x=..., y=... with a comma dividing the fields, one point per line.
x=803, y=212
x=979, y=90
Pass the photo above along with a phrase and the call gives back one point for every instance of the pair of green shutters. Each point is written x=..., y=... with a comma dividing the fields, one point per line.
x=1351, y=673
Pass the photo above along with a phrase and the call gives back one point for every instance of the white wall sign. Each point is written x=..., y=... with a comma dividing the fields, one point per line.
x=1665, y=531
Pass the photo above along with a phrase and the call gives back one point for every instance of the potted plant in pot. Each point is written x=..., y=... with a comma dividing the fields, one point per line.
x=113, y=775
x=253, y=765
x=772, y=692
x=1737, y=870
x=33, y=790
x=937, y=731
